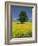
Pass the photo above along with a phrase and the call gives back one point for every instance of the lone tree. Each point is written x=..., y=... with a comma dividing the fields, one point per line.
x=23, y=17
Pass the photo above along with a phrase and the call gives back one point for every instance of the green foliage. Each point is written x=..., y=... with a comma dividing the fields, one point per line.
x=22, y=35
x=23, y=17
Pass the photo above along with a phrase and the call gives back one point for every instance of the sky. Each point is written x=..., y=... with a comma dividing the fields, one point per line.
x=15, y=11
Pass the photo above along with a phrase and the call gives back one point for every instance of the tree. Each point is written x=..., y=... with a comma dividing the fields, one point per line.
x=23, y=17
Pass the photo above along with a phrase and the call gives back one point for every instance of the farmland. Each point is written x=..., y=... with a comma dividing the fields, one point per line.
x=21, y=30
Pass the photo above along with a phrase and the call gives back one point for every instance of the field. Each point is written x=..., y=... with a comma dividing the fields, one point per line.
x=21, y=30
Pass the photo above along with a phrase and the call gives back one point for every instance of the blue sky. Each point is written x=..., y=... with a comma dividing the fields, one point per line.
x=15, y=11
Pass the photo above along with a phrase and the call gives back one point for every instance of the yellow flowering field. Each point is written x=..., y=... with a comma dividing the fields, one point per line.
x=21, y=30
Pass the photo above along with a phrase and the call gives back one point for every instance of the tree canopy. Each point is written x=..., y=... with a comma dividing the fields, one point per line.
x=23, y=17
